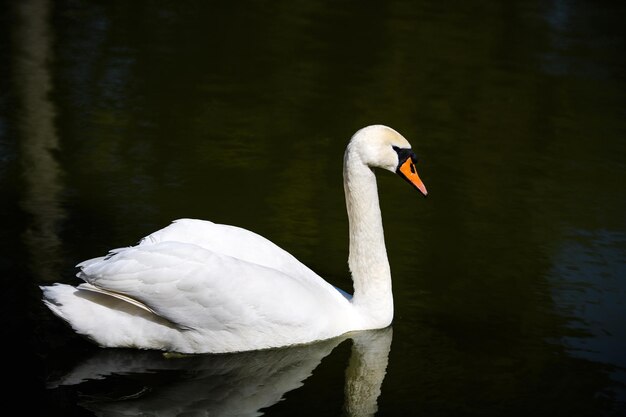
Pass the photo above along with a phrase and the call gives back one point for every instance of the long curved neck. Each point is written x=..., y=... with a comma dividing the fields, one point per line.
x=368, y=256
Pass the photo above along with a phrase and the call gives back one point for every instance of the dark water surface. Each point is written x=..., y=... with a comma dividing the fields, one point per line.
x=509, y=279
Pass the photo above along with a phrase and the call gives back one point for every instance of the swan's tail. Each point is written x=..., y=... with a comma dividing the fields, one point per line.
x=55, y=296
x=108, y=320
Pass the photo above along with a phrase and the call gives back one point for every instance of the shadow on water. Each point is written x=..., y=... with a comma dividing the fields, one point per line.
x=42, y=173
x=243, y=384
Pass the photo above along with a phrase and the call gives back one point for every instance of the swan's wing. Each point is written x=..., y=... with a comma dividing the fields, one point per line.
x=232, y=241
x=203, y=290
x=88, y=287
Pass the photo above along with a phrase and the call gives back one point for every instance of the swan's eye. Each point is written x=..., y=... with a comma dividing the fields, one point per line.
x=405, y=154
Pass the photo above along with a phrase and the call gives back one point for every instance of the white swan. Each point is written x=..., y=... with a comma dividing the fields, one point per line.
x=198, y=287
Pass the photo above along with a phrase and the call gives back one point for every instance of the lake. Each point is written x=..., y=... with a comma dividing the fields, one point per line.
x=509, y=279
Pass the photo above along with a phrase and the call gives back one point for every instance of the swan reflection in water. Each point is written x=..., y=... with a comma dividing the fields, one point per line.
x=238, y=384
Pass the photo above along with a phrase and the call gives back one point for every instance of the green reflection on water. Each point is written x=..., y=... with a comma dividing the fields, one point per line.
x=240, y=115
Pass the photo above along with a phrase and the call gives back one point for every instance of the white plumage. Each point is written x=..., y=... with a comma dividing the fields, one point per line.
x=196, y=286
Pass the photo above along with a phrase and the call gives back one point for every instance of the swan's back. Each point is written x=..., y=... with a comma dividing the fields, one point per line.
x=232, y=241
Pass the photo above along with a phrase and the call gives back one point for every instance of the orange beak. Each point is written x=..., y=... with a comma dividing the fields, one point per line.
x=408, y=172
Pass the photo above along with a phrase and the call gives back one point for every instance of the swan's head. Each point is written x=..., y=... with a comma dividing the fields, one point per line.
x=382, y=147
